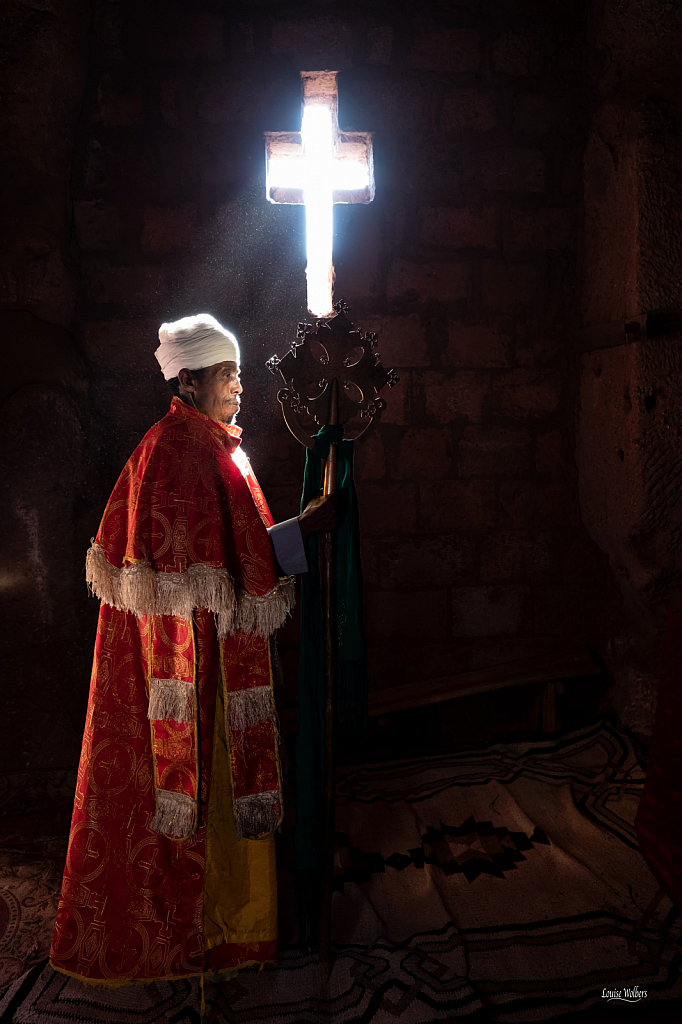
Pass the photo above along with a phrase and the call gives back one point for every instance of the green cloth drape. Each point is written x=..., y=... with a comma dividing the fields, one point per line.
x=351, y=673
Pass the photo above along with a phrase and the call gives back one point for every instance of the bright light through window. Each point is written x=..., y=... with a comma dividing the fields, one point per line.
x=319, y=173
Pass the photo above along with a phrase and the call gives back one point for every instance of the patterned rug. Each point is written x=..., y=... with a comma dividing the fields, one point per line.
x=503, y=884
x=30, y=880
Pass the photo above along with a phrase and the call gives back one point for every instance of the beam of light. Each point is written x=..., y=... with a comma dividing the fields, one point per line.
x=318, y=153
x=319, y=173
x=241, y=461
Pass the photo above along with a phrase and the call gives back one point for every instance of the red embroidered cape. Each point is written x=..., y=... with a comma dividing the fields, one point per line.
x=185, y=570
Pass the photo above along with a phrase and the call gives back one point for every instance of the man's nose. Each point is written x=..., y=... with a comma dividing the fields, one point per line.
x=236, y=387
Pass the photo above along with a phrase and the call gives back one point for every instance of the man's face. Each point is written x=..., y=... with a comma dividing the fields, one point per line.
x=215, y=391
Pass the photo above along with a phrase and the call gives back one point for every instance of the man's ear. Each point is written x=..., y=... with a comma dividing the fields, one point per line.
x=186, y=379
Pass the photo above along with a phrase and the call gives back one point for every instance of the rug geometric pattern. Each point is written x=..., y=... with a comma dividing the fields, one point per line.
x=506, y=880
x=472, y=848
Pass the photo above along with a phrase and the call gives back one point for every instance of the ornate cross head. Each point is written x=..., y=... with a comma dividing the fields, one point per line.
x=332, y=349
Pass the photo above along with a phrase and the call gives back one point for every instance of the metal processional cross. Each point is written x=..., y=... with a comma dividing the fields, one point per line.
x=331, y=373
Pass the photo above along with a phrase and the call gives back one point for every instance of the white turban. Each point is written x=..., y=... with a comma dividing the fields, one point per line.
x=194, y=342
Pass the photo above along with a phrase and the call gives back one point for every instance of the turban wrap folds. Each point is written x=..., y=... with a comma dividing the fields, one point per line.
x=194, y=342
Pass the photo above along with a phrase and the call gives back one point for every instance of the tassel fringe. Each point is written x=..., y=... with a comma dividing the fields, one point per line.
x=263, y=615
x=139, y=589
x=248, y=707
x=171, y=698
x=175, y=814
x=259, y=814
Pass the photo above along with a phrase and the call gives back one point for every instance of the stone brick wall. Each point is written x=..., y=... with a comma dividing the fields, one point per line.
x=474, y=551
x=46, y=475
x=465, y=264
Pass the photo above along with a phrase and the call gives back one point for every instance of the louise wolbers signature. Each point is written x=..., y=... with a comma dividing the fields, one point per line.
x=624, y=995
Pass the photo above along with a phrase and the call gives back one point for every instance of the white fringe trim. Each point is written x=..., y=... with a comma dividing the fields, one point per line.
x=263, y=615
x=258, y=814
x=175, y=814
x=142, y=591
x=245, y=708
x=171, y=698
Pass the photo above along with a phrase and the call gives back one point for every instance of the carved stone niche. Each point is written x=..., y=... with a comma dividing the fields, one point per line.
x=629, y=453
x=629, y=424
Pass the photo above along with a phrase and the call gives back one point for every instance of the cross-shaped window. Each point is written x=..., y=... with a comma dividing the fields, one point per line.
x=318, y=167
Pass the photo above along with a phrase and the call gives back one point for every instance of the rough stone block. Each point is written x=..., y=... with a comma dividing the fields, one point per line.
x=516, y=556
x=541, y=229
x=455, y=505
x=513, y=170
x=449, y=50
x=369, y=556
x=98, y=224
x=118, y=103
x=112, y=346
x=210, y=285
x=584, y=562
x=507, y=286
x=226, y=100
x=473, y=227
x=448, y=398
x=242, y=43
x=499, y=651
x=387, y=509
x=424, y=454
x=378, y=45
x=572, y=612
x=421, y=614
x=35, y=277
x=518, y=53
x=123, y=164
x=370, y=459
x=284, y=500
x=538, y=343
x=138, y=286
x=406, y=661
x=547, y=506
x=465, y=109
x=327, y=42
x=549, y=453
x=477, y=345
x=535, y=113
x=528, y=393
x=356, y=267
x=432, y=561
x=187, y=33
x=572, y=173
x=397, y=106
x=221, y=159
x=107, y=28
x=288, y=466
x=440, y=282
x=493, y=451
x=174, y=102
x=401, y=341
x=488, y=611
x=396, y=411
x=168, y=229
x=412, y=168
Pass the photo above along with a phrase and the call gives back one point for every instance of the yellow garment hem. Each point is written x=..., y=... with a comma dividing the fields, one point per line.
x=114, y=983
x=240, y=875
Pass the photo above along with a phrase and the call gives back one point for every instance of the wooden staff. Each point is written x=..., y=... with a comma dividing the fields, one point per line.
x=327, y=580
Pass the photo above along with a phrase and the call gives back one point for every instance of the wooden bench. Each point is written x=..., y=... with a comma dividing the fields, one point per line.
x=547, y=669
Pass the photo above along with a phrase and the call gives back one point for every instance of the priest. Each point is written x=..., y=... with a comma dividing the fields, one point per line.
x=170, y=870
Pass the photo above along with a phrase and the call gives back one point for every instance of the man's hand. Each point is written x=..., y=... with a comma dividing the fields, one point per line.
x=322, y=515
